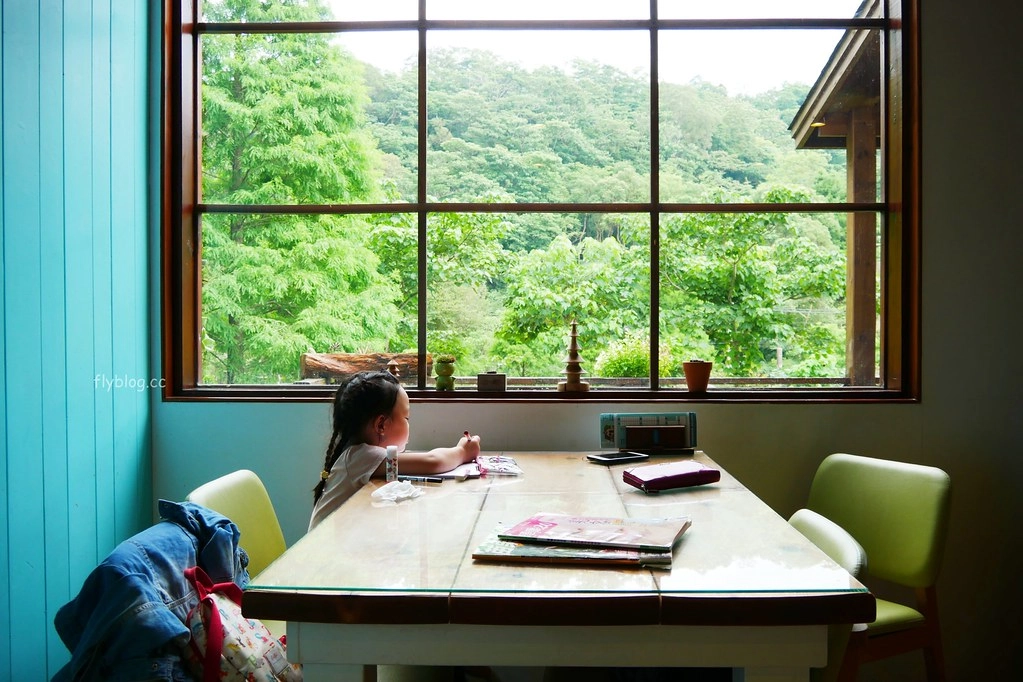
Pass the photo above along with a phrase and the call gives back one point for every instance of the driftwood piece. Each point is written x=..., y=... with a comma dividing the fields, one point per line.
x=336, y=366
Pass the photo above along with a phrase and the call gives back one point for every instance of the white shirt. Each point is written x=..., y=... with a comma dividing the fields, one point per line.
x=351, y=471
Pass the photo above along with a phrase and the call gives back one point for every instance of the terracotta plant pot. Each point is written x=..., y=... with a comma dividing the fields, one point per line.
x=697, y=375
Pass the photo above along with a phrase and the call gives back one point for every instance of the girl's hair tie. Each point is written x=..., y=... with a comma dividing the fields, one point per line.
x=324, y=475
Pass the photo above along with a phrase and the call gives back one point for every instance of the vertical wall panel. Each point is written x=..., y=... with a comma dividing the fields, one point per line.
x=127, y=85
x=22, y=271
x=74, y=425
x=84, y=383
x=5, y=557
x=102, y=291
x=53, y=371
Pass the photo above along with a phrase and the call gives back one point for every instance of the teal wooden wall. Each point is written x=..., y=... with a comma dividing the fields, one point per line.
x=74, y=321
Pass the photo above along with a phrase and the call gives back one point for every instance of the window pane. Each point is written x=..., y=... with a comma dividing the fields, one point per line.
x=757, y=9
x=741, y=115
x=380, y=10
x=504, y=289
x=388, y=60
x=284, y=122
x=746, y=62
x=538, y=9
x=277, y=286
x=538, y=117
x=766, y=296
x=327, y=10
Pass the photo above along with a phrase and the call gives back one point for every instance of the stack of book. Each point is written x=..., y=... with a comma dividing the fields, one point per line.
x=588, y=540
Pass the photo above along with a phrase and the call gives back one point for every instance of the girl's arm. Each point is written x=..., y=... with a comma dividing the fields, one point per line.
x=437, y=460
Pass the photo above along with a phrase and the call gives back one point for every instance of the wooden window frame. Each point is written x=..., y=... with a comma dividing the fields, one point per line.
x=180, y=278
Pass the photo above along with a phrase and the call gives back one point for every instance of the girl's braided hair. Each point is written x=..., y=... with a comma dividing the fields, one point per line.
x=362, y=398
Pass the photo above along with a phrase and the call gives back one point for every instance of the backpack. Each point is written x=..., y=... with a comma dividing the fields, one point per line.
x=225, y=645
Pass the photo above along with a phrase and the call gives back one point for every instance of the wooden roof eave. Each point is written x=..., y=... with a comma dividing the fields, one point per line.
x=829, y=98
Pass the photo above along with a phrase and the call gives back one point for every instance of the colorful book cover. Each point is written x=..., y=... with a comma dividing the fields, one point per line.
x=498, y=465
x=649, y=535
x=497, y=550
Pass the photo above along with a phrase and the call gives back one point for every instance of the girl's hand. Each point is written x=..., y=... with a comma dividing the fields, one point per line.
x=470, y=445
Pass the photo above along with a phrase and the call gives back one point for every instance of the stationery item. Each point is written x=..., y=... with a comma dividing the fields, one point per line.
x=420, y=479
x=495, y=549
x=650, y=535
x=668, y=440
x=391, y=464
x=497, y=465
x=462, y=472
x=653, y=478
x=650, y=432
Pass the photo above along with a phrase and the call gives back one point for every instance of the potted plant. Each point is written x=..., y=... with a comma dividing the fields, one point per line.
x=697, y=375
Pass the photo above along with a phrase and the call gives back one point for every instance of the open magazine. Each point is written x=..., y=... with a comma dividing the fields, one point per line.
x=494, y=549
x=650, y=535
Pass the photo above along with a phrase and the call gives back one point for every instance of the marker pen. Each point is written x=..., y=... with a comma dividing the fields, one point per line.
x=420, y=479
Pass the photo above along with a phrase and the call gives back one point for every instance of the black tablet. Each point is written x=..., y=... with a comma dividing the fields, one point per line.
x=620, y=457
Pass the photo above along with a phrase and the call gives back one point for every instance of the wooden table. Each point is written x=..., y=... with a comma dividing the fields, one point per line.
x=395, y=583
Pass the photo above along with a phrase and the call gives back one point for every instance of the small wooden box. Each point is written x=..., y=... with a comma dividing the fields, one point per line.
x=491, y=381
x=652, y=439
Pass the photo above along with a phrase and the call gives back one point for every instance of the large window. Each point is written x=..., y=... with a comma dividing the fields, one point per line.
x=351, y=185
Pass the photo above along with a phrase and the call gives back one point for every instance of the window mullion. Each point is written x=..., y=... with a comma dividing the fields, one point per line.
x=421, y=199
x=655, y=200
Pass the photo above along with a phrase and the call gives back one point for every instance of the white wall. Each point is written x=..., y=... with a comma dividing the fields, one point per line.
x=969, y=424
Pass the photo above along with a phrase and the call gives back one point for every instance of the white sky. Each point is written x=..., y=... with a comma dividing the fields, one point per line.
x=744, y=62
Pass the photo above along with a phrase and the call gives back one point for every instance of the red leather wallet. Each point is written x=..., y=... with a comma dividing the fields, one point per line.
x=656, y=477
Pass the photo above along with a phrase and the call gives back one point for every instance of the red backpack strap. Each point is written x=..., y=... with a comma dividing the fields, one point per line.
x=214, y=627
x=205, y=585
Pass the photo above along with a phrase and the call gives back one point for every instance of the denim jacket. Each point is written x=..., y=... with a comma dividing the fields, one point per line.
x=127, y=623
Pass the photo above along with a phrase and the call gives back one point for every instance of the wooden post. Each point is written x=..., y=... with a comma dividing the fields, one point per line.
x=861, y=249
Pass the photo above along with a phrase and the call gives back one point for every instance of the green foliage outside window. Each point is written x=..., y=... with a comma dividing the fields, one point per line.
x=294, y=119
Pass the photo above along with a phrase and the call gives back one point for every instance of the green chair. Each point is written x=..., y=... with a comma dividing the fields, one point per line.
x=899, y=513
x=843, y=549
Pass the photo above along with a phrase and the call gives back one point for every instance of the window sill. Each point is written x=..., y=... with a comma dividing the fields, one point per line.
x=324, y=393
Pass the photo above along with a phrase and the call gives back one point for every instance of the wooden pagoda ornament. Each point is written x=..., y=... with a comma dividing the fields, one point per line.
x=573, y=369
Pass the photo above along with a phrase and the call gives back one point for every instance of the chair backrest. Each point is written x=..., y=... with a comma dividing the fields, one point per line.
x=897, y=511
x=831, y=538
x=241, y=497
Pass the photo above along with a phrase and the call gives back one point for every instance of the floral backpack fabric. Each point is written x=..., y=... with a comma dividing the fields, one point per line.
x=225, y=645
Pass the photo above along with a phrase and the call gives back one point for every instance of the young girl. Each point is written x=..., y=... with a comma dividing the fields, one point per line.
x=371, y=411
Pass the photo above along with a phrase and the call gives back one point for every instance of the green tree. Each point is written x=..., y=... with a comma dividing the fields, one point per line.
x=751, y=282
x=601, y=284
x=463, y=251
x=284, y=123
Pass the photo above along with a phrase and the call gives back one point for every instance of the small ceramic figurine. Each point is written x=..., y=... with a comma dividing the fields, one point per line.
x=444, y=366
